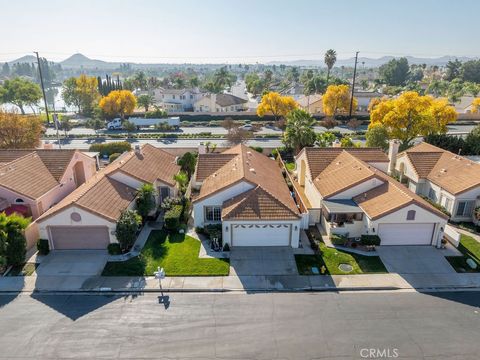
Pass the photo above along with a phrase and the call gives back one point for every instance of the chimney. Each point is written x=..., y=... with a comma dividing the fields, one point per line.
x=393, y=146
x=202, y=149
x=137, y=150
x=336, y=143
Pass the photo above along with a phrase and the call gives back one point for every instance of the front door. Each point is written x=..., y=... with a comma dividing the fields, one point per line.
x=164, y=193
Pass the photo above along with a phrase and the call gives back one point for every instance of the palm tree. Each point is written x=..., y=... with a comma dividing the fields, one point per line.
x=330, y=60
x=299, y=132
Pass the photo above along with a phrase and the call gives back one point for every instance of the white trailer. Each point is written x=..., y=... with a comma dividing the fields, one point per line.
x=116, y=124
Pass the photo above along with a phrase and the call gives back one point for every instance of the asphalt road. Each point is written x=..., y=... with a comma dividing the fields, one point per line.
x=242, y=326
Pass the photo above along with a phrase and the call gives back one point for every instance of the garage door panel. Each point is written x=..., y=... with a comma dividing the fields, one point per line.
x=79, y=237
x=405, y=234
x=261, y=234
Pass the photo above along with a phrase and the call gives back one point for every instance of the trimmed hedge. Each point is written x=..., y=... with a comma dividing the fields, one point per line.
x=43, y=247
x=111, y=148
x=338, y=239
x=113, y=157
x=173, y=216
x=114, y=249
x=370, y=240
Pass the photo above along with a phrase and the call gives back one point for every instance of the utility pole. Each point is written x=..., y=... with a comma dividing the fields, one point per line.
x=43, y=87
x=353, y=84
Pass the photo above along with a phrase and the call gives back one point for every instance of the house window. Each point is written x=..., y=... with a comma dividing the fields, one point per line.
x=465, y=208
x=173, y=96
x=19, y=201
x=411, y=215
x=447, y=203
x=432, y=195
x=213, y=213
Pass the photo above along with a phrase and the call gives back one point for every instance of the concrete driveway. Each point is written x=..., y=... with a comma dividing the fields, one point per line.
x=257, y=260
x=73, y=262
x=414, y=260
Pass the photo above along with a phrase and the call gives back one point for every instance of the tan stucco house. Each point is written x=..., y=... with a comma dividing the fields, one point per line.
x=348, y=192
x=86, y=219
x=246, y=193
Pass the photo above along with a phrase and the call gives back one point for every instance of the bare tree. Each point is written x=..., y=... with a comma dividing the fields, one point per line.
x=228, y=123
x=329, y=123
x=354, y=124
x=238, y=135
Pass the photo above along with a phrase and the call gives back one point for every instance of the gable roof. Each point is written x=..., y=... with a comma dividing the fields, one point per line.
x=209, y=163
x=252, y=167
x=149, y=165
x=257, y=204
x=100, y=195
x=389, y=197
x=319, y=158
x=224, y=100
x=343, y=172
x=454, y=173
x=56, y=160
x=27, y=176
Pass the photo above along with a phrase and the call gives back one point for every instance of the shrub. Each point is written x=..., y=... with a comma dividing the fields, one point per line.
x=437, y=206
x=16, y=249
x=370, y=240
x=258, y=149
x=199, y=230
x=114, y=249
x=156, y=114
x=43, y=247
x=226, y=247
x=145, y=200
x=338, y=239
x=127, y=227
x=113, y=157
x=214, y=231
x=111, y=148
x=275, y=153
x=172, y=217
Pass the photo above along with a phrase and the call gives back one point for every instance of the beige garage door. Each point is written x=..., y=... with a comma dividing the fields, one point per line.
x=79, y=237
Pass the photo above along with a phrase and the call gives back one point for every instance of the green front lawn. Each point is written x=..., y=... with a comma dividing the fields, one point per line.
x=176, y=253
x=470, y=248
x=332, y=258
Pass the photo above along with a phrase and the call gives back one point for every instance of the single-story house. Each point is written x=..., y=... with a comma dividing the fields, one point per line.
x=246, y=193
x=311, y=103
x=447, y=179
x=33, y=180
x=87, y=218
x=220, y=103
x=348, y=193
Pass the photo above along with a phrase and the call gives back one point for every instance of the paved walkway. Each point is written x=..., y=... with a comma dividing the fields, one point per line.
x=139, y=243
x=242, y=283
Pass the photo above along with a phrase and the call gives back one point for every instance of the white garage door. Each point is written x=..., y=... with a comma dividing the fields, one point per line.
x=405, y=234
x=79, y=237
x=260, y=235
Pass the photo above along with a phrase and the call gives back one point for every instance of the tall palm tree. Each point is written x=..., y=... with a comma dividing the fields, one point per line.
x=330, y=60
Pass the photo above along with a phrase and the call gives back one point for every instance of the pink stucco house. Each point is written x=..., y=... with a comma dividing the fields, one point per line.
x=32, y=181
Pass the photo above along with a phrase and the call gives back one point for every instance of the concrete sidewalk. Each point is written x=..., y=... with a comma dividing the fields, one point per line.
x=240, y=283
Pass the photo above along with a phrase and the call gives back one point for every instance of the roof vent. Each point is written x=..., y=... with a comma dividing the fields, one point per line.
x=364, y=195
x=443, y=171
x=249, y=152
x=252, y=170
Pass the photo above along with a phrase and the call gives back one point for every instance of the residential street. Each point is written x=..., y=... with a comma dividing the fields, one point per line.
x=241, y=326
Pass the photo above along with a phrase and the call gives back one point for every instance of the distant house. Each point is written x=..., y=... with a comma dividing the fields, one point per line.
x=87, y=218
x=444, y=177
x=220, y=103
x=176, y=100
x=32, y=181
x=364, y=98
x=464, y=106
x=311, y=103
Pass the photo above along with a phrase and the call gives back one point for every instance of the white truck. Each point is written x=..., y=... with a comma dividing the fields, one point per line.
x=116, y=124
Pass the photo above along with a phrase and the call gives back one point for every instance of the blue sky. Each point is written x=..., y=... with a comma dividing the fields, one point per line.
x=237, y=30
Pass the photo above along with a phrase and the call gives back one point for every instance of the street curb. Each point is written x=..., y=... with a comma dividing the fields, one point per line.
x=256, y=290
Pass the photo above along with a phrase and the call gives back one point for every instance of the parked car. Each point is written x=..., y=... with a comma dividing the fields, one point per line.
x=248, y=127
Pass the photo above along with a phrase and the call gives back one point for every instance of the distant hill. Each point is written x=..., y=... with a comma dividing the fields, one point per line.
x=81, y=61
x=371, y=62
x=24, y=59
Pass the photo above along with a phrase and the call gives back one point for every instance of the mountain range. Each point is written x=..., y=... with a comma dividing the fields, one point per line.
x=77, y=61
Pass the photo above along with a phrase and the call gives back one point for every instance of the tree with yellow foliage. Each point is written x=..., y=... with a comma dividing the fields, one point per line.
x=118, y=103
x=411, y=115
x=87, y=92
x=476, y=105
x=277, y=105
x=19, y=131
x=337, y=100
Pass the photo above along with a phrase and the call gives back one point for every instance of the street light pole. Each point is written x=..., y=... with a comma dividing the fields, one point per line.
x=353, y=85
x=43, y=87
